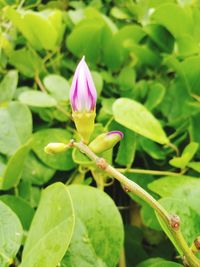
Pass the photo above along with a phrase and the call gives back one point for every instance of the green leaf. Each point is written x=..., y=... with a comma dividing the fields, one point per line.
x=115, y=51
x=98, y=81
x=187, y=155
x=2, y=165
x=149, y=218
x=57, y=86
x=13, y=171
x=26, y=61
x=194, y=165
x=155, y=95
x=8, y=86
x=62, y=161
x=174, y=18
x=100, y=219
x=127, y=147
x=22, y=208
x=166, y=186
x=158, y=262
x=86, y=39
x=11, y=235
x=37, y=99
x=126, y=79
x=137, y=118
x=35, y=171
x=133, y=245
x=42, y=29
x=190, y=220
x=163, y=39
x=16, y=127
x=51, y=229
x=181, y=187
x=152, y=149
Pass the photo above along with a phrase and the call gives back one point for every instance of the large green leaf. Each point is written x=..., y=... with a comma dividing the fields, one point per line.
x=51, y=229
x=10, y=236
x=8, y=86
x=21, y=207
x=137, y=118
x=62, y=161
x=16, y=127
x=167, y=185
x=190, y=220
x=98, y=235
x=57, y=86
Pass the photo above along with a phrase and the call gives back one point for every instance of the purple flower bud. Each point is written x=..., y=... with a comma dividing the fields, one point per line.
x=83, y=93
x=116, y=132
x=105, y=141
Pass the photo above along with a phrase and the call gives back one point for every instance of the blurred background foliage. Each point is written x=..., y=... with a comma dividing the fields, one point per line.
x=144, y=51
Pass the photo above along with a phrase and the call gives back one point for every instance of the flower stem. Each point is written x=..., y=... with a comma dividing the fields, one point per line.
x=131, y=186
x=153, y=172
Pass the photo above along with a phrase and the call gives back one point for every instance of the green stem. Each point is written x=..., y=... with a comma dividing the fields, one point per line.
x=153, y=172
x=131, y=186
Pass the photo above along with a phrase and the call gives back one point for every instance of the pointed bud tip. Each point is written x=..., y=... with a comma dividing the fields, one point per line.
x=116, y=132
x=54, y=148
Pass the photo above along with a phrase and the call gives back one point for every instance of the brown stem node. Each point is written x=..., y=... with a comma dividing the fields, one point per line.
x=101, y=163
x=197, y=243
x=175, y=222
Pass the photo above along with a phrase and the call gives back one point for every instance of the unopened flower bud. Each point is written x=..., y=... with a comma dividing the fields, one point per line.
x=196, y=245
x=105, y=141
x=54, y=148
x=83, y=100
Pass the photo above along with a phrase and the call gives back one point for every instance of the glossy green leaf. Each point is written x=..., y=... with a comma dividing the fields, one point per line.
x=57, y=86
x=8, y=86
x=100, y=219
x=10, y=236
x=187, y=215
x=22, y=208
x=37, y=99
x=137, y=118
x=13, y=170
x=167, y=185
x=51, y=229
x=35, y=171
x=62, y=161
x=16, y=127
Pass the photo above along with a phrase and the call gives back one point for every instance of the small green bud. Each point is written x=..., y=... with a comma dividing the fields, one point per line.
x=84, y=122
x=105, y=141
x=54, y=148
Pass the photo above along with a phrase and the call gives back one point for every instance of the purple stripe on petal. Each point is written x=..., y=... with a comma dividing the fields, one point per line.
x=83, y=92
x=116, y=132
